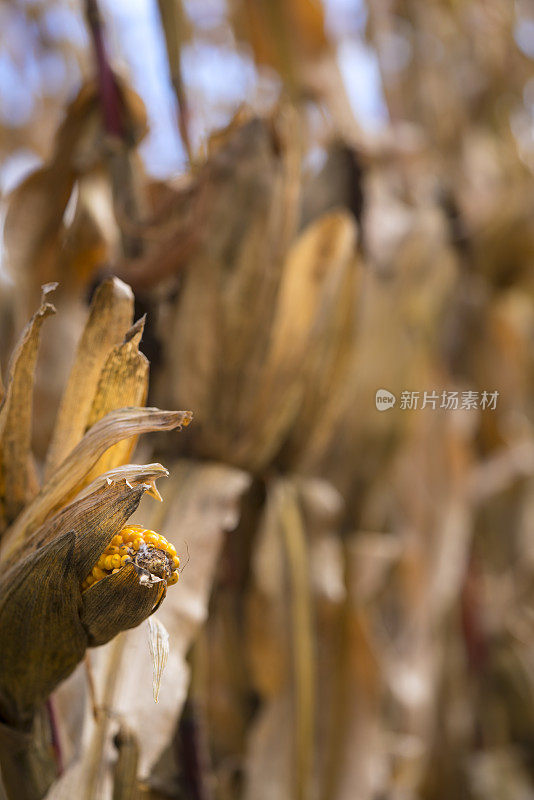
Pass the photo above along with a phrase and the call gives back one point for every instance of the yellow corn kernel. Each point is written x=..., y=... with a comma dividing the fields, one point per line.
x=123, y=549
x=98, y=573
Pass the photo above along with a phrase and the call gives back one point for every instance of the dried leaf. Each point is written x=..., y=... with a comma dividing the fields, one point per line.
x=310, y=340
x=236, y=267
x=131, y=473
x=34, y=228
x=123, y=382
x=109, y=318
x=16, y=418
x=108, y=496
x=33, y=221
x=117, y=425
x=303, y=639
x=283, y=35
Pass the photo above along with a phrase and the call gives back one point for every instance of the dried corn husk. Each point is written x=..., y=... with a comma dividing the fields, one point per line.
x=34, y=229
x=46, y=620
x=258, y=325
x=40, y=597
x=110, y=316
x=16, y=481
x=236, y=265
x=204, y=503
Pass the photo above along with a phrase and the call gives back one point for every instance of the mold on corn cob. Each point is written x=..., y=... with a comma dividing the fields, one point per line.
x=146, y=549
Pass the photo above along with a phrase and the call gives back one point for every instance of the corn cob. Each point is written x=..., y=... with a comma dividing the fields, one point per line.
x=145, y=548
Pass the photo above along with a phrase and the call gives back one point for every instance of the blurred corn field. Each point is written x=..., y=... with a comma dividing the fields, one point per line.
x=310, y=227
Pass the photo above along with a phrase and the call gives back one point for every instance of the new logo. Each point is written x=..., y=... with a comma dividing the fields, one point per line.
x=384, y=400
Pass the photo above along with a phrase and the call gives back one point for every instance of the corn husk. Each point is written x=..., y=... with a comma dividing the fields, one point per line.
x=203, y=504
x=53, y=535
x=372, y=640
x=16, y=477
x=228, y=272
x=251, y=347
x=60, y=557
x=109, y=318
x=33, y=229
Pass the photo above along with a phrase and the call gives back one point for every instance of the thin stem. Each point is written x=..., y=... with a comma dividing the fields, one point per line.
x=109, y=92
